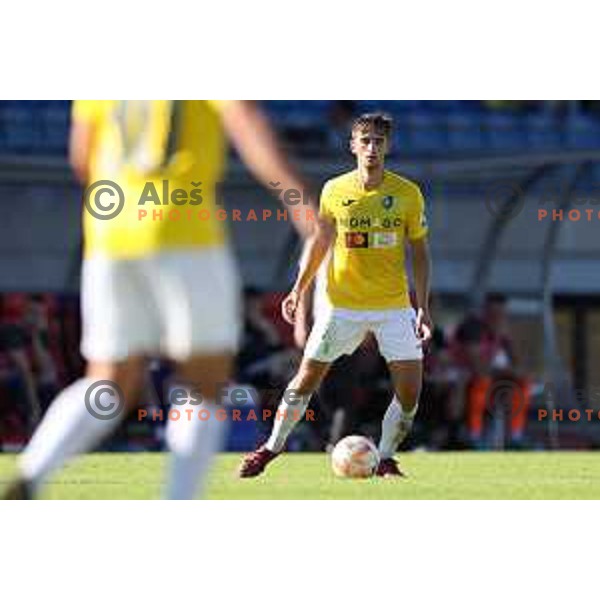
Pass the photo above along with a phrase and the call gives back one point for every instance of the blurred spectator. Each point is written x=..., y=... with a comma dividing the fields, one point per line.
x=484, y=354
x=440, y=416
x=45, y=370
x=263, y=361
x=19, y=400
x=69, y=336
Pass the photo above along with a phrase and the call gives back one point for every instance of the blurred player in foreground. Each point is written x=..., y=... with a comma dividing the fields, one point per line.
x=373, y=212
x=156, y=286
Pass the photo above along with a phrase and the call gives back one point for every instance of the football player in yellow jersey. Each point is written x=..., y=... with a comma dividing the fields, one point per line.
x=374, y=213
x=155, y=286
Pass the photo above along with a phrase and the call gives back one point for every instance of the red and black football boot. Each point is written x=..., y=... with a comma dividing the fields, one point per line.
x=254, y=463
x=388, y=467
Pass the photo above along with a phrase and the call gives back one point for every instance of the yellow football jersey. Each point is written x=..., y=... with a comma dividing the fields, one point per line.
x=167, y=156
x=367, y=268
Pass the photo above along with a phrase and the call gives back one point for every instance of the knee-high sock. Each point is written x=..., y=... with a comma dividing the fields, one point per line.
x=68, y=429
x=395, y=427
x=287, y=416
x=193, y=440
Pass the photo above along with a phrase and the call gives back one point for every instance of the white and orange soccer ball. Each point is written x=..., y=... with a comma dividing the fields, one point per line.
x=354, y=456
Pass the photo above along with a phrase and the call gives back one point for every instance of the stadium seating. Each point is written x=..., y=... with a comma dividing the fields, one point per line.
x=34, y=127
x=505, y=131
x=422, y=127
x=465, y=132
x=457, y=127
x=582, y=132
x=543, y=131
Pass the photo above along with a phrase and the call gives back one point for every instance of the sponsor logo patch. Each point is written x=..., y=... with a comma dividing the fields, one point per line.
x=357, y=239
x=384, y=239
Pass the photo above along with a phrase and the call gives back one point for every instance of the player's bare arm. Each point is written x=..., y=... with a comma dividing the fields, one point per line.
x=315, y=250
x=256, y=141
x=304, y=317
x=80, y=148
x=422, y=274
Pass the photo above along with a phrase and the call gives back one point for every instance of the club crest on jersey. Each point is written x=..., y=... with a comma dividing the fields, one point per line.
x=388, y=202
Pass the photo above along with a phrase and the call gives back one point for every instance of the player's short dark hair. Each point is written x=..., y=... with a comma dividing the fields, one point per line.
x=381, y=122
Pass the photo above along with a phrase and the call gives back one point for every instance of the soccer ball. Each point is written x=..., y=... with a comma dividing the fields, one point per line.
x=354, y=456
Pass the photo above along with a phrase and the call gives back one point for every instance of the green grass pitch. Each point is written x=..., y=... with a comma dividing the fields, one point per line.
x=444, y=475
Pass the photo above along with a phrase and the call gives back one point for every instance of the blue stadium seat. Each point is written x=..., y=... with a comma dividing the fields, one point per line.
x=402, y=107
x=365, y=106
x=34, y=126
x=298, y=113
x=278, y=110
x=465, y=131
x=543, y=132
x=19, y=128
x=396, y=108
x=443, y=107
x=505, y=131
x=582, y=131
x=56, y=128
x=427, y=133
x=401, y=140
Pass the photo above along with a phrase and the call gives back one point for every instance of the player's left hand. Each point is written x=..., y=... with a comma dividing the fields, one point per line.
x=423, y=326
x=289, y=307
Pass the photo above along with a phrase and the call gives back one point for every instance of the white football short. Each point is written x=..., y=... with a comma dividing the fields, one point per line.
x=340, y=331
x=176, y=304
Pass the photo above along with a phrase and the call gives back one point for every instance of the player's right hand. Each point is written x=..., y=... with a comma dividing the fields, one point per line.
x=289, y=307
